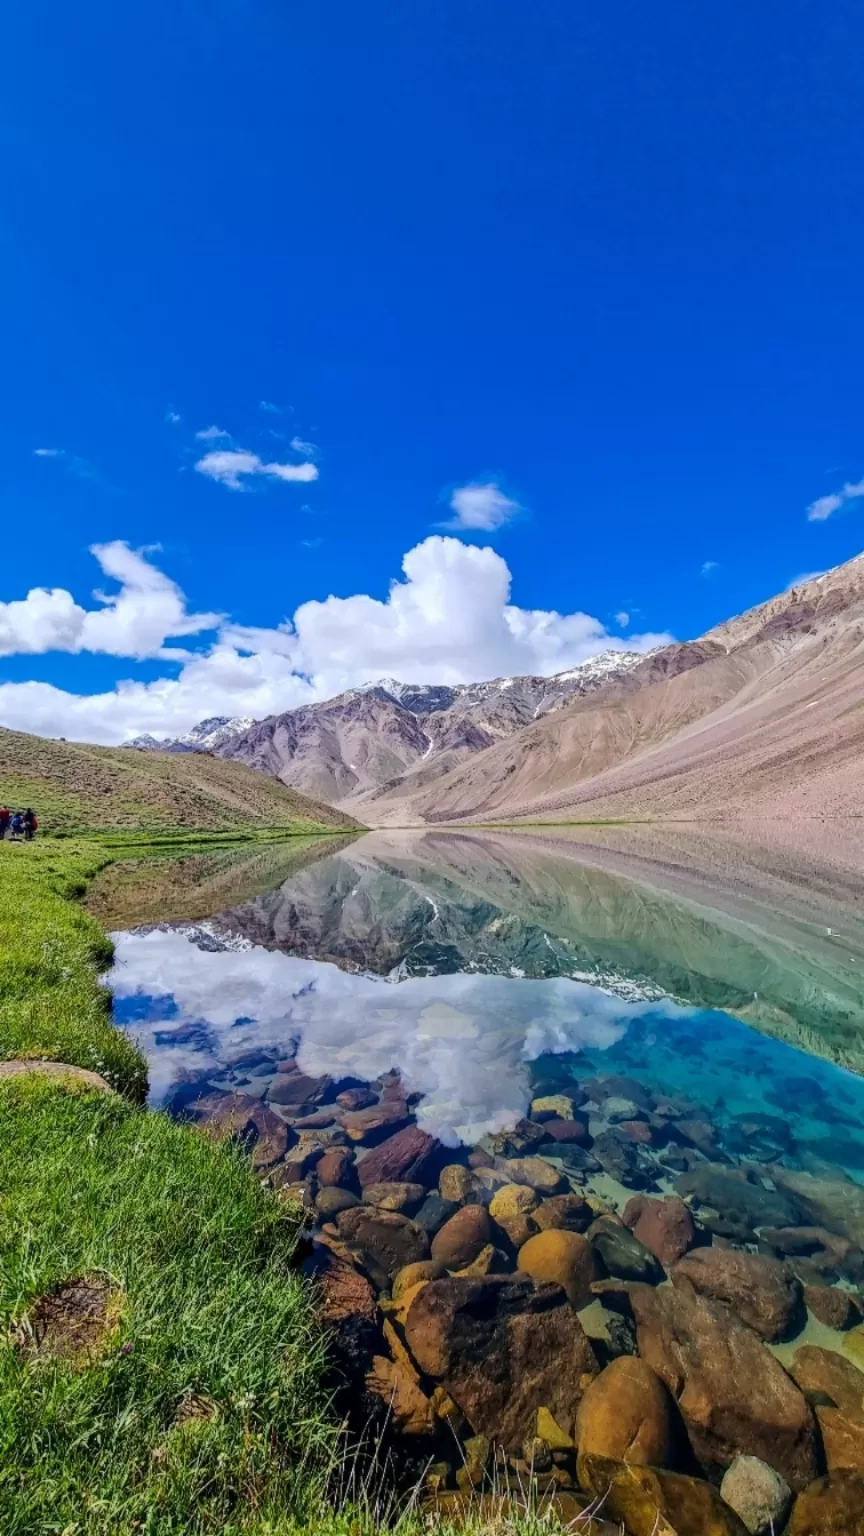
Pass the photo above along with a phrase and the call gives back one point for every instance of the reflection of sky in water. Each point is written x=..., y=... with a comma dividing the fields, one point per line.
x=463, y=1041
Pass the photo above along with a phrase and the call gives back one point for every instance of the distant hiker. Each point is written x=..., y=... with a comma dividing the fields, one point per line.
x=5, y=819
x=30, y=825
x=17, y=825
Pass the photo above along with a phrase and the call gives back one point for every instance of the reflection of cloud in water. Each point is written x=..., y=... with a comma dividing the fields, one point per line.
x=461, y=1040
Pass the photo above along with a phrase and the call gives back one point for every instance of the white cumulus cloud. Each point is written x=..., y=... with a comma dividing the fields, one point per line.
x=449, y=619
x=481, y=506
x=136, y=621
x=825, y=506
x=213, y=435
x=232, y=466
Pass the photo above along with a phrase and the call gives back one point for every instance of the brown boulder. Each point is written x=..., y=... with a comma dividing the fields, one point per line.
x=665, y=1227
x=461, y=1238
x=384, y=1240
x=297, y=1088
x=415, y=1274
x=372, y=1125
x=524, y=1137
x=626, y=1415
x=733, y=1395
x=504, y=1348
x=489, y=1261
x=822, y=1373
x=536, y=1173
x=833, y=1506
x=409, y=1157
x=568, y=1130
x=651, y=1502
x=762, y=1292
x=832, y=1306
x=513, y=1200
x=406, y=1198
x=336, y=1169
x=564, y=1258
x=457, y=1184
x=837, y=1204
x=398, y=1385
x=237, y=1117
x=570, y=1213
x=842, y=1439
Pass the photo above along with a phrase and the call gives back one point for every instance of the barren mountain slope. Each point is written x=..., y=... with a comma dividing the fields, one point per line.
x=374, y=736
x=770, y=718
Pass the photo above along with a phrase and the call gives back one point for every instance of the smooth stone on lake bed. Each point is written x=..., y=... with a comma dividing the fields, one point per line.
x=434, y=1211
x=759, y=1496
x=566, y=1258
x=330, y=1201
x=462, y=1238
x=406, y=1198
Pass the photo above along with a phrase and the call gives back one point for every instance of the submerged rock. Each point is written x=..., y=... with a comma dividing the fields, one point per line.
x=408, y=1157
x=536, y=1172
x=524, y=1138
x=625, y=1415
x=842, y=1439
x=758, y=1495
x=824, y=1375
x=733, y=1395
x=833, y=1506
x=571, y=1213
x=406, y=1198
x=832, y=1306
x=385, y=1241
x=565, y=1258
x=651, y=1502
x=623, y=1254
x=744, y=1203
x=760, y=1291
x=434, y=1211
x=463, y=1237
x=502, y=1347
x=623, y=1160
x=665, y=1226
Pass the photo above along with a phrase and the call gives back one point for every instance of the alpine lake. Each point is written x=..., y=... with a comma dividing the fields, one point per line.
x=577, y=1119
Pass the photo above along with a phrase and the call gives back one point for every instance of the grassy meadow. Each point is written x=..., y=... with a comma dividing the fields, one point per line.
x=198, y=1407
x=77, y=788
x=160, y=1358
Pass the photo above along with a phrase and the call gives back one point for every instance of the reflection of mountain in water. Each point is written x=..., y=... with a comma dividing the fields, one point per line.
x=440, y=902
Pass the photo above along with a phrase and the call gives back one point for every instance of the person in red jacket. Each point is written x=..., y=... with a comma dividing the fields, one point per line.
x=5, y=818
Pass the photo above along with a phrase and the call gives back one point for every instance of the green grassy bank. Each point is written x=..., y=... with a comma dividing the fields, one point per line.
x=195, y=1407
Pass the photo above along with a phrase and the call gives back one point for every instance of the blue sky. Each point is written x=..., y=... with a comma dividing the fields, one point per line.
x=605, y=262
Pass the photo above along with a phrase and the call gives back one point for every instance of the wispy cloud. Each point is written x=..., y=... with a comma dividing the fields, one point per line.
x=213, y=435
x=300, y=445
x=707, y=567
x=482, y=507
x=267, y=405
x=622, y=619
x=232, y=467
x=73, y=464
x=173, y=417
x=825, y=506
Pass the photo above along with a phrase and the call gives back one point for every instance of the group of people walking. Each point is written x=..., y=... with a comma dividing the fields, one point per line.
x=20, y=824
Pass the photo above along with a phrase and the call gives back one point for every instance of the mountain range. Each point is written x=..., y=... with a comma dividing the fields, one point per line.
x=390, y=733
x=762, y=715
